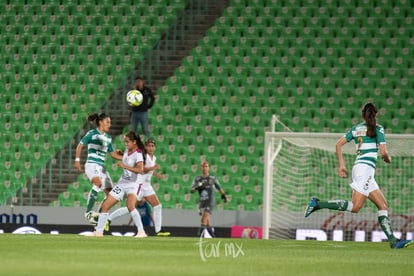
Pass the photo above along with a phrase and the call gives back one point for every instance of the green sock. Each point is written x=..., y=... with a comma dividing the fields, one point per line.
x=100, y=205
x=93, y=195
x=339, y=205
x=385, y=224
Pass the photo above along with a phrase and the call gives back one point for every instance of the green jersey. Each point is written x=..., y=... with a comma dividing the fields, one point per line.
x=98, y=146
x=366, y=147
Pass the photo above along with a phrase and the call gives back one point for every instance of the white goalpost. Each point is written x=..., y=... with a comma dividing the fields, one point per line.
x=298, y=166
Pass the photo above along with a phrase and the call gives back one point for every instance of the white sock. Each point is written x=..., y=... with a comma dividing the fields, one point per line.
x=96, y=188
x=118, y=213
x=100, y=205
x=101, y=222
x=157, y=217
x=382, y=213
x=137, y=219
x=350, y=206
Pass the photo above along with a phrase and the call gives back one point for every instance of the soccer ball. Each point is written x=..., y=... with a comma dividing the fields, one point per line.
x=134, y=98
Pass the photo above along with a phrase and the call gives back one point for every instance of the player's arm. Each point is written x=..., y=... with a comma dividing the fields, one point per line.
x=78, y=152
x=342, y=169
x=195, y=186
x=153, y=168
x=223, y=195
x=157, y=175
x=139, y=167
x=384, y=153
x=117, y=154
x=220, y=189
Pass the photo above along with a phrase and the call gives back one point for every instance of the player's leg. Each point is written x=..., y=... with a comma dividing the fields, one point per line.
x=106, y=186
x=118, y=213
x=377, y=197
x=360, y=176
x=205, y=222
x=94, y=174
x=354, y=206
x=136, y=218
x=153, y=200
x=114, y=215
x=103, y=216
x=93, y=193
x=157, y=212
x=92, y=198
x=205, y=218
x=206, y=207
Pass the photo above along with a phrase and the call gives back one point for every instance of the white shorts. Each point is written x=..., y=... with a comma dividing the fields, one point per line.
x=363, y=180
x=146, y=190
x=122, y=190
x=95, y=170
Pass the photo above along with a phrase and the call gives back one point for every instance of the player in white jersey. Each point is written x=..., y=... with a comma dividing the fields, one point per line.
x=128, y=185
x=369, y=137
x=99, y=143
x=147, y=191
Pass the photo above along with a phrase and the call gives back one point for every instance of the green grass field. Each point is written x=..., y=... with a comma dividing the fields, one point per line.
x=78, y=255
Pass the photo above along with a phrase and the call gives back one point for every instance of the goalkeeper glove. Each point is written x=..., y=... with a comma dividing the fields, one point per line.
x=200, y=186
x=224, y=198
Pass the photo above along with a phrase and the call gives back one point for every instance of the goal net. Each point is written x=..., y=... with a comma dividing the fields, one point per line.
x=299, y=166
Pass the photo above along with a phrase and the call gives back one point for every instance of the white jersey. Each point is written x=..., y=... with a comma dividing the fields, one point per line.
x=149, y=162
x=131, y=160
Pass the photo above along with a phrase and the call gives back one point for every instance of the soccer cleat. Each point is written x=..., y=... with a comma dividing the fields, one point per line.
x=94, y=234
x=163, y=234
x=141, y=234
x=312, y=207
x=92, y=217
x=107, y=225
x=98, y=234
x=401, y=244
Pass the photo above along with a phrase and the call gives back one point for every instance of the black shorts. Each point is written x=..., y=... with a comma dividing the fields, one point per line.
x=205, y=206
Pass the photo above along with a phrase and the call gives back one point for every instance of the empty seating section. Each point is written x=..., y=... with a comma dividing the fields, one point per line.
x=61, y=60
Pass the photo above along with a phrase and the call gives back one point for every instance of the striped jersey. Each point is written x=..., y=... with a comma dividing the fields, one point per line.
x=366, y=147
x=98, y=146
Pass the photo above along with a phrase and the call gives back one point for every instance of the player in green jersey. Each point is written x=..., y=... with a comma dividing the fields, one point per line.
x=99, y=143
x=369, y=137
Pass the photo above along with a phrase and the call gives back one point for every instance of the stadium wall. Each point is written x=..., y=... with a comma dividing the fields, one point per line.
x=71, y=220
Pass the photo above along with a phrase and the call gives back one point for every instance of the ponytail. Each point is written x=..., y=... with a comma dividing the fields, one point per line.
x=369, y=113
x=95, y=117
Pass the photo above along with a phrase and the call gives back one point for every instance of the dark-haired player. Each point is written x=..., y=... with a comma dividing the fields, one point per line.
x=99, y=143
x=369, y=137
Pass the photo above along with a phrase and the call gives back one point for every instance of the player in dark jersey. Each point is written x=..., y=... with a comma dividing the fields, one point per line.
x=205, y=185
